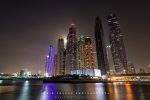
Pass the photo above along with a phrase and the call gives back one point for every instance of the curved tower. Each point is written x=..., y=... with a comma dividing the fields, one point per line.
x=50, y=61
x=117, y=45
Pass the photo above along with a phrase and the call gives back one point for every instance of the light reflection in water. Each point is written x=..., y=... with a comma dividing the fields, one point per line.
x=48, y=92
x=110, y=91
x=116, y=90
x=24, y=95
x=129, y=92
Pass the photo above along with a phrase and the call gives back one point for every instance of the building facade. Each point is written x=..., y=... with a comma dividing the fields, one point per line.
x=95, y=59
x=88, y=55
x=49, y=69
x=100, y=47
x=55, y=65
x=64, y=62
x=60, y=56
x=131, y=69
x=117, y=45
x=80, y=52
x=71, y=48
x=46, y=65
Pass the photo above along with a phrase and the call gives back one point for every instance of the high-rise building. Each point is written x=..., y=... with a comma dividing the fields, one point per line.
x=71, y=50
x=100, y=47
x=117, y=45
x=60, y=58
x=95, y=59
x=49, y=69
x=88, y=55
x=46, y=65
x=131, y=69
x=64, y=62
x=80, y=52
x=55, y=65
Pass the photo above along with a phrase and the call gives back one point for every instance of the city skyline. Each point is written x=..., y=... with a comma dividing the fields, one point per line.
x=27, y=32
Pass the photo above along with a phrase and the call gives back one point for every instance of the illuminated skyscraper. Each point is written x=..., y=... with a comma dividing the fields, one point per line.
x=71, y=50
x=131, y=68
x=55, y=65
x=80, y=53
x=117, y=45
x=46, y=64
x=60, y=58
x=88, y=55
x=100, y=47
x=49, y=69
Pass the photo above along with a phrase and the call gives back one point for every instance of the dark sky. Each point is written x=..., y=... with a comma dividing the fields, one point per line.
x=28, y=27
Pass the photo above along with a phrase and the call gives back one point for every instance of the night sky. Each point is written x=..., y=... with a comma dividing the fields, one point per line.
x=28, y=27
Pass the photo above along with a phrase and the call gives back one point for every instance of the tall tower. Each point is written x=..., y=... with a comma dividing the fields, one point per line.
x=55, y=65
x=46, y=65
x=80, y=53
x=88, y=54
x=50, y=59
x=95, y=59
x=64, y=62
x=117, y=45
x=100, y=47
x=71, y=50
x=60, y=56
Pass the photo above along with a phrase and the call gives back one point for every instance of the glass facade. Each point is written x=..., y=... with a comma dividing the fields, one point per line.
x=60, y=56
x=71, y=50
x=117, y=45
x=50, y=61
x=102, y=60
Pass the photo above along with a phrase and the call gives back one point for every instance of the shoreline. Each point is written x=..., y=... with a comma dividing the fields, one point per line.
x=45, y=80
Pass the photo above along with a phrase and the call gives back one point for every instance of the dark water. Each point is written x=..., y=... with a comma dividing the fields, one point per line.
x=36, y=90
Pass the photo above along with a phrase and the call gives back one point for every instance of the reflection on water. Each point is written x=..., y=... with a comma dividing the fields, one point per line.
x=36, y=90
x=24, y=91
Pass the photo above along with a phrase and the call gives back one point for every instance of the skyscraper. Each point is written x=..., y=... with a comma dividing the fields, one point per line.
x=64, y=62
x=55, y=65
x=100, y=47
x=80, y=53
x=60, y=58
x=88, y=55
x=131, y=68
x=71, y=50
x=117, y=45
x=95, y=59
x=46, y=65
x=49, y=68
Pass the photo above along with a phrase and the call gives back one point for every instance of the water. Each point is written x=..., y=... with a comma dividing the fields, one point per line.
x=36, y=90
